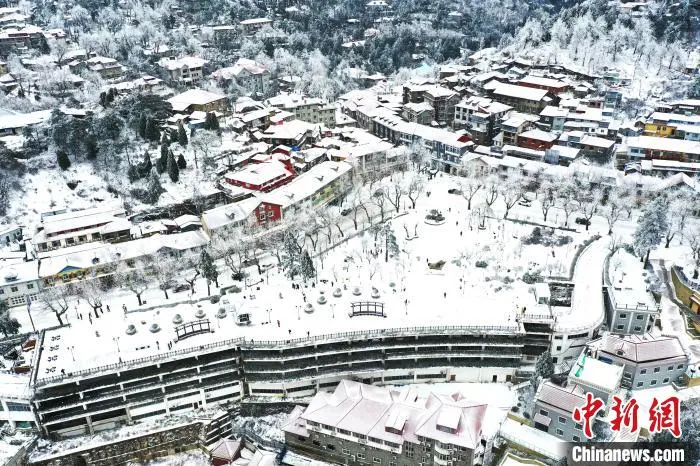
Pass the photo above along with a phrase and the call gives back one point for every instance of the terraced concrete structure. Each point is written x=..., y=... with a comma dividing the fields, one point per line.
x=104, y=397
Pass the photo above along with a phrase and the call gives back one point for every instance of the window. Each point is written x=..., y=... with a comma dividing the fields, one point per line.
x=560, y=432
x=55, y=244
x=637, y=328
x=656, y=370
x=544, y=412
x=576, y=438
x=643, y=371
x=680, y=366
x=562, y=420
x=270, y=214
x=346, y=451
x=14, y=289
x=30, y=286
x=666, y=380
x=670, y=368
x=653, y=382
x=17, y=407
x=640, y=316
x=262, y=216
x=2, y=291
x=70, y=240
x=376, y=460
x=640, y=384
x=330, y=446
x=360, y=456
x=317, y=443
x=623, y=316
x=620, y=327
x=579, y=426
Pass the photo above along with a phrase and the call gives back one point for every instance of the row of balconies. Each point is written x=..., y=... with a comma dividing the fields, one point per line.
x=455, y=341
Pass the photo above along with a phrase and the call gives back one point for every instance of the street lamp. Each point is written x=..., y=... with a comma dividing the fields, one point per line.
x=116, y=340
x=333, y=310
x=298, y=316
x=268, y=316
x=71, y=352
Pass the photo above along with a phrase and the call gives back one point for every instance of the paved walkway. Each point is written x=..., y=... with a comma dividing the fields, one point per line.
x=672, y=319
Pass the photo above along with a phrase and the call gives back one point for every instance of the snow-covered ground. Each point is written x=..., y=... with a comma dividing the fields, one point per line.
x=412, y=293
x=189, y=458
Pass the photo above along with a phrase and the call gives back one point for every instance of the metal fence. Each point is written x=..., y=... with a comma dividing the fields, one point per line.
x=278, y=344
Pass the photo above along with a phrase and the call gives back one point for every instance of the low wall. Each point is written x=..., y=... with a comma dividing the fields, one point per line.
x=137, y=449
x=681, y=286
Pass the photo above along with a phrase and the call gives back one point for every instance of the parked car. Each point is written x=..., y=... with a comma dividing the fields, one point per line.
x=525, y=202
x=345, y=212
x=454, y=191
x=582, y=221
x=181, y=287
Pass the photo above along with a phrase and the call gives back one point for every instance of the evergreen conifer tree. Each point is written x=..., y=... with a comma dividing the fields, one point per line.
x=162, y=163
x=141, y=129
x=209, y=272
x=173, y=169
x=181, y=162
x=62, y=159
x=91, y=147
x=182, y=135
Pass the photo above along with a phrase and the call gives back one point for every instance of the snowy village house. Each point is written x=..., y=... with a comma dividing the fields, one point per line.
x=185, y=70
x=198, y=100
x=554, y=409
x=315, y=188
x=629, y=305
x=360, y=423
x=68, y=229
x=248, y=74
x=647, y=361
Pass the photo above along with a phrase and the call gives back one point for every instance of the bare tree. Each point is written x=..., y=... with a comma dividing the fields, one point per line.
x=162, y=267
x=415, y=189
x=680, y=208
x=231, y=245
x=693, y=238
x=590, y=202
x=548, y=197
x=379, y=200
x=394, y=193
x=569, y=206
x=56, y=299
x=511, y=192
x=469, y=185
x=189, y=265
x=91, y=291
x=491, y=190
x=133, y=278
x=613, y=212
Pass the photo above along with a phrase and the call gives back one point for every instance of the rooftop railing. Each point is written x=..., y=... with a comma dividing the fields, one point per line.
x=278, y=344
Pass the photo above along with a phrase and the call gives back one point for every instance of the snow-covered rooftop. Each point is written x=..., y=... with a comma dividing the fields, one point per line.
x=519, y=92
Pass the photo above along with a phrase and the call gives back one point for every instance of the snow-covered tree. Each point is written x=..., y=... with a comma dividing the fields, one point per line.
x=589, y=203
x=162, y=267
x=415, y=188
x=511, y=192
x=308, y=271
x=62, y=159
x=133, y=278
x=209, y=272
x=693, y=238
x=469, y=184
x=8, y=324
x=613, y=211
x=56, y=298
x=173, y=169
x=680, y=208
x=651, y=228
